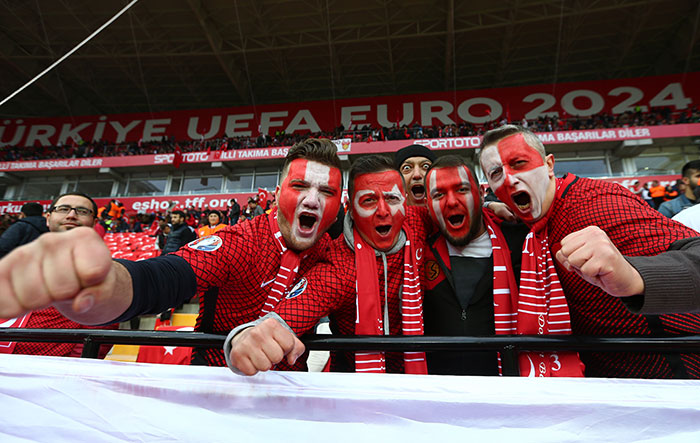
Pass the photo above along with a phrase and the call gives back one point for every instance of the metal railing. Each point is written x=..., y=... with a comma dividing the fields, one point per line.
x=507, y=345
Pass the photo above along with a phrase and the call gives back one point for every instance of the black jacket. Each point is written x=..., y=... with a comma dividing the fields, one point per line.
x=446, y=315
x=22, y=232
x=234, y=213
x=179, y=236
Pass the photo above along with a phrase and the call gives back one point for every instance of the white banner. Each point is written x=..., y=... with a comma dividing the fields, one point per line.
x=51, y=399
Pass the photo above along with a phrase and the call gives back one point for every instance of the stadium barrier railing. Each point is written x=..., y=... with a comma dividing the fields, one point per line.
x=507, y=345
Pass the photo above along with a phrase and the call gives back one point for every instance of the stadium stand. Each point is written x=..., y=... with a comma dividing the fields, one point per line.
x=86, y=149
x=144, y=113
x=132, y=245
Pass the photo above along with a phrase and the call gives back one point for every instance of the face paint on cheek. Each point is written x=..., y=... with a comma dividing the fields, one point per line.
x=434, y=207
x=505, y=194
x=469, y=200
x=504, y=190
x=289, y=197
x=456, y=206
x=379, y=208
x=330, y=204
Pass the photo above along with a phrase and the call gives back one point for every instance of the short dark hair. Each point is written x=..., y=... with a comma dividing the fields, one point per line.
x=319, y=150
x=78, y=194
x=693, y=164
x=494, y=135
x=451, y=161
x=367, y=165
x=32, y=209
x=178, y=212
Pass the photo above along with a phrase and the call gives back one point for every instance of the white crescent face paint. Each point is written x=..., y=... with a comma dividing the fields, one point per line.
x=378, y=206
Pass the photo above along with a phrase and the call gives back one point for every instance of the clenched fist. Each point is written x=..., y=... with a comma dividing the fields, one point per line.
x=592, y=255
x=72, y=270
x=260, y=347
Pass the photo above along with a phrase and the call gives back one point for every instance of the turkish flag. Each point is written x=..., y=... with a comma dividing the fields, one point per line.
x=168, y=355
x=263, y=197
x=178, y=156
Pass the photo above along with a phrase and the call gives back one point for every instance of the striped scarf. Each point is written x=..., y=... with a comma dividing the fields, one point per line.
x=289, y=266
x=17, y=322
x=369, y=319
x=538, y=308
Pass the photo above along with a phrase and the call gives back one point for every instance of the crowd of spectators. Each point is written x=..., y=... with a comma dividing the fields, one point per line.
x=113, y=218
x=202, y=220
x=6, y=220
x=654, y=117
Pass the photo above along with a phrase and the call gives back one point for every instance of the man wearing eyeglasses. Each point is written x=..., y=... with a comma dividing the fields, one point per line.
x=67, y=211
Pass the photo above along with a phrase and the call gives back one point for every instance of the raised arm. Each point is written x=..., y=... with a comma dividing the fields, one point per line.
x=72, y=270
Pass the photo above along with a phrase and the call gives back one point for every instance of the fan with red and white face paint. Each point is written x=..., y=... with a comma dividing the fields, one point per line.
x=454, y=203
x=308, y=201
x=379, y=208
x=519, y=176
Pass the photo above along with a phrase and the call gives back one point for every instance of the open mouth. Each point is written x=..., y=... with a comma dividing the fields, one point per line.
x=307, y=221
x=455, y=220
x=521, y=200
x=418, y=191
x=383, y=229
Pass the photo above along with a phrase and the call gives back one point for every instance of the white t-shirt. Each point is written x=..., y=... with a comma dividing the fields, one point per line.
x=689, y=217
x=479, y=247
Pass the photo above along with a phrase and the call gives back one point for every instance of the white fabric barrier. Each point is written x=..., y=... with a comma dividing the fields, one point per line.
x=56, y=399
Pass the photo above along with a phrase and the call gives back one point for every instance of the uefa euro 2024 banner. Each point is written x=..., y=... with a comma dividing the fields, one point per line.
x=676, y=92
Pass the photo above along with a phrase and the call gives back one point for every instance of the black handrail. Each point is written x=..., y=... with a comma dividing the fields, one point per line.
x=507, y=344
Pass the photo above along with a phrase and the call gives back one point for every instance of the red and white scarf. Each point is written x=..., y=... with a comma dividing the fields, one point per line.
x=538, y=308
x=370, y=318
x=8, y=347
x=289, y=266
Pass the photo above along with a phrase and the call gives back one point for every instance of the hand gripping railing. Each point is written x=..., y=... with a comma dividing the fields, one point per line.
x=507, y=345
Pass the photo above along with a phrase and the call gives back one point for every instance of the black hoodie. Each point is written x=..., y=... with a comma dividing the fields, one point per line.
x=22, y=232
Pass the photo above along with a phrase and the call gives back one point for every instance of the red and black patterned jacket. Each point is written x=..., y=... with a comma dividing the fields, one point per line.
x=637, y=230
x=329, y=290
x=50, y=318
x=233, y=280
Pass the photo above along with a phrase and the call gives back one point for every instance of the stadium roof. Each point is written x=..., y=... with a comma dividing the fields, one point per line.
x=189, y=54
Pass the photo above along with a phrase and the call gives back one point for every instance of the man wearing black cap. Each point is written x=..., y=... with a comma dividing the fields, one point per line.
x=413, y=162
x=30, y=225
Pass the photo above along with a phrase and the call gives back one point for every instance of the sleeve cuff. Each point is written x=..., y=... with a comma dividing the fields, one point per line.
x=665, y=287
x=238, y=329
